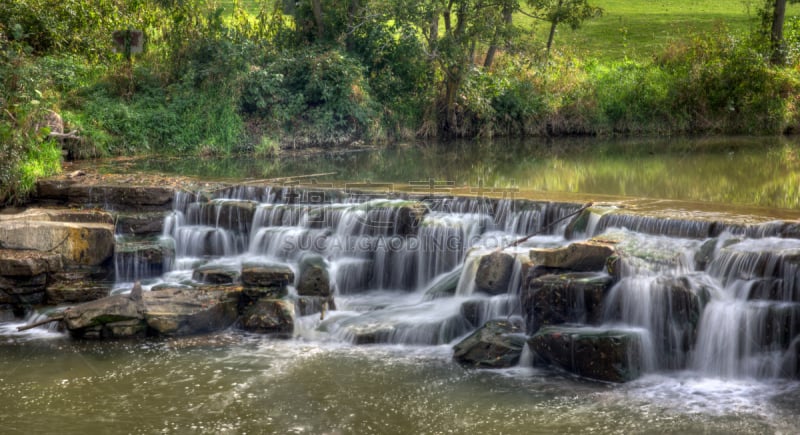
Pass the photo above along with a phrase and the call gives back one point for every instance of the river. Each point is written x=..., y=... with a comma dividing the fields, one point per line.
x=320, y=382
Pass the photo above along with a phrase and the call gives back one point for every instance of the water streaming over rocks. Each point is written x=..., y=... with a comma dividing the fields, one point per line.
x=684, y=293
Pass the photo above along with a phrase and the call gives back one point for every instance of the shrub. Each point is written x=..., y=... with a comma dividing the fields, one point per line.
x=317, y=97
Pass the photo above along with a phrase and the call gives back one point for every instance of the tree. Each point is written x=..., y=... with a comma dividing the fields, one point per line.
x=773, y=16
x=571, y=12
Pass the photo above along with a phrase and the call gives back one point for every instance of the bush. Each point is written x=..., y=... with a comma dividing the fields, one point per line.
x=316, y=97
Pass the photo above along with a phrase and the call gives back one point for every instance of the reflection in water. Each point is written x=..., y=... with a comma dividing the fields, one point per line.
x=748, y=171
x=237, y=383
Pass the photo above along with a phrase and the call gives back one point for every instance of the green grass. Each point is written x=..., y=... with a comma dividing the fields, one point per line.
x=637, y=29
x=633, y=29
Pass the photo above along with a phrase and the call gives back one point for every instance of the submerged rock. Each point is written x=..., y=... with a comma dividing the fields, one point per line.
x=602, y=354
x=565, y=298
x=270, y=316
x=494, y=273
x=497, y=344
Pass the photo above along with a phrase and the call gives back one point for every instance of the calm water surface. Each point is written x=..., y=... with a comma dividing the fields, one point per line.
x=745, y=171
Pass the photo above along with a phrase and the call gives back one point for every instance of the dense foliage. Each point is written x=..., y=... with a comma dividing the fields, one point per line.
x=216, y=80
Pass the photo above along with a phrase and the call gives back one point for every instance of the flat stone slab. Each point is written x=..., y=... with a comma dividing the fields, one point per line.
x=109, y=196
x=85, y=244
x=28, y=263
x=73, y=292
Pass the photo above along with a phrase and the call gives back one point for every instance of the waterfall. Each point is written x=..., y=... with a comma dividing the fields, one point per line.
x=748, y=327
x=404, y=270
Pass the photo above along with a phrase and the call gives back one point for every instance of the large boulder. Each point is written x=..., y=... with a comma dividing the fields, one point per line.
x=565, y=298
x=112, y=317
x=602, y=354
x=270, y=316
x=583, y=256
x=494, y=273
x=80, y=244
x=314, y=277
x=497, y=344
x=178, y=311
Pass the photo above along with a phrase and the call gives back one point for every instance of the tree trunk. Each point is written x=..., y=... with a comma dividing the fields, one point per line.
x=507, y=20
x=352, y=10
x=776, y=35
x=316, y=9
x=553, y=24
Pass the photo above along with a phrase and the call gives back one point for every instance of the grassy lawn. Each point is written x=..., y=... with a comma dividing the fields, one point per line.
x=634, y=29
x=637, y=29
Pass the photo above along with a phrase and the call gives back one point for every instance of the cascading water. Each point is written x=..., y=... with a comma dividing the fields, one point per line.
x=754, y=315
x=404, y=271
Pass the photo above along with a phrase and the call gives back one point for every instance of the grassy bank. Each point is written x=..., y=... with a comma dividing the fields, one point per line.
x=249, y=78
